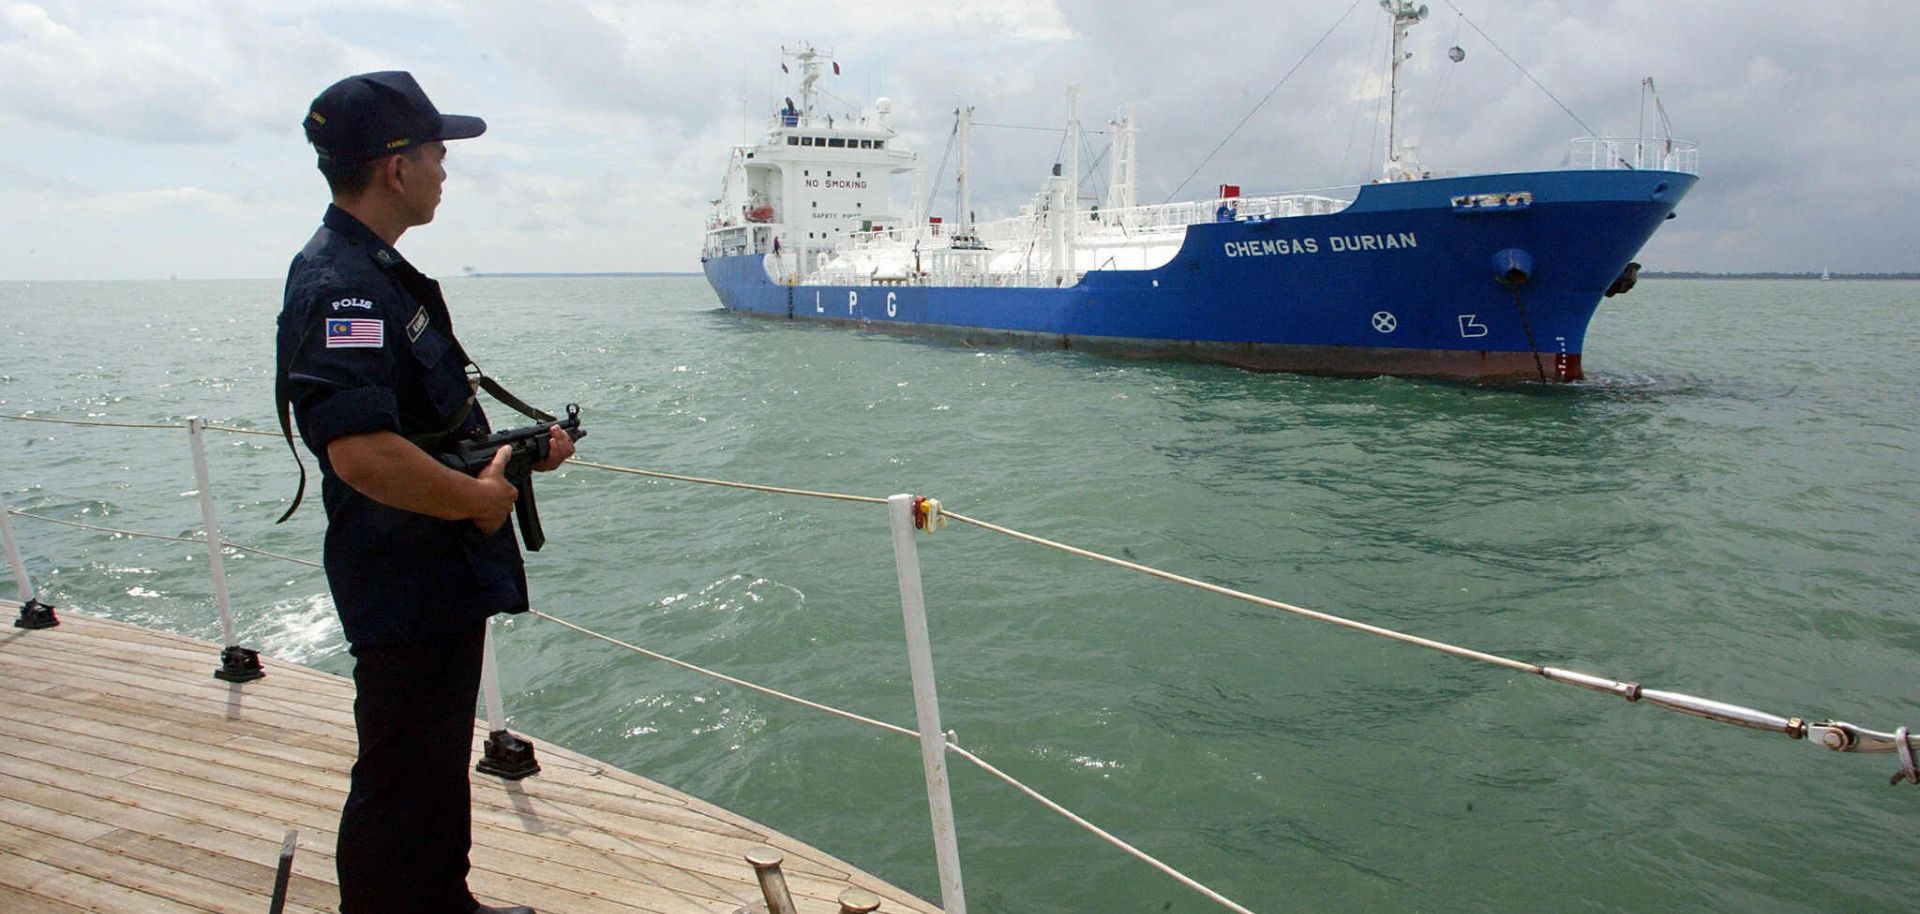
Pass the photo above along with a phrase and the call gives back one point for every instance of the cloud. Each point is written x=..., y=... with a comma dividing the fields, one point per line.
x=164, y=72
x=610, y=120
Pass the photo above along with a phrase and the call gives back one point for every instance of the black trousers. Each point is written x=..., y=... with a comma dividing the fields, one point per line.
x=406, y=828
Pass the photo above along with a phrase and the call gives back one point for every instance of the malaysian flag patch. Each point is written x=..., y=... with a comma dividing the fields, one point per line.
x=355, y=333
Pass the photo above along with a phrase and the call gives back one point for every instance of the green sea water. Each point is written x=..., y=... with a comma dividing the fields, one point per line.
x=1729, y=507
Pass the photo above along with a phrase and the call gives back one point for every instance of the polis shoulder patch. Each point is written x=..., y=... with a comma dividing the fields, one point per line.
x=355, y=333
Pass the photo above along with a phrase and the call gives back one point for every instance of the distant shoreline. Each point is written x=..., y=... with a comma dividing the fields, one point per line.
x=484, y=274
x=478, y=274
x=1690, y=274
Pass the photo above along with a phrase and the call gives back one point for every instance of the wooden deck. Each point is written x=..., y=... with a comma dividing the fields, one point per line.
x=131, y=780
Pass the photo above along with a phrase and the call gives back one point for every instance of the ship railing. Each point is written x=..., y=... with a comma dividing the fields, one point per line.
x=1164, y=217
x=1029, y=234
x=1174, y=216
x=908, y=517
x=1032, y=229
x=1016, y=232
x=1637, y=153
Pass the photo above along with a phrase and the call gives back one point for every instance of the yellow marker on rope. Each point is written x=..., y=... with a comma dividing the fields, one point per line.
x=926, y=514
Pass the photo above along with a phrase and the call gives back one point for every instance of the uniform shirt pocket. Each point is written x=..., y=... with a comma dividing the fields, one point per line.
x=443, y=374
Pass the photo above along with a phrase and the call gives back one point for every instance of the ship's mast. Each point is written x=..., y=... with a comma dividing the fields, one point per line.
x=810, y=60
x=1073, y=169
x=1403, y=15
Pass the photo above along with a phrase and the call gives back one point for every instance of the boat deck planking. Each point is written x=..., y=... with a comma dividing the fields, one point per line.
x=132, y=780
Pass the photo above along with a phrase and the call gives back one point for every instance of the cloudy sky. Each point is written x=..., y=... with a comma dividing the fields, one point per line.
x=154, y=138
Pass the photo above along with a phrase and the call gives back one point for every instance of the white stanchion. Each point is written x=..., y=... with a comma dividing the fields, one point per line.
x=926, y=705
x=13, y=558
x=237, y=664
x=196, y=433
x=33, y=613
x=504, y=754
x=490, y=686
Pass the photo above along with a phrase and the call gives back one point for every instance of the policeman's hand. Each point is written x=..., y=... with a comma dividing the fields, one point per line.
x=559, y=449
x=495, y=502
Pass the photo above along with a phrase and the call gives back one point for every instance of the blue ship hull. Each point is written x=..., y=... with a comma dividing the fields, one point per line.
x=1405, y=281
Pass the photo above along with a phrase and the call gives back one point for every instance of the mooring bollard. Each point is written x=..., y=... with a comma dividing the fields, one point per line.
x=237, y=664
x=33, y=613
x=858, y=901
x=773, y=883
x=504, y=755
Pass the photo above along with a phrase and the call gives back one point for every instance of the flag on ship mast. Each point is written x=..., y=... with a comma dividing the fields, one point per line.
x=783, y=67
x=836, y=68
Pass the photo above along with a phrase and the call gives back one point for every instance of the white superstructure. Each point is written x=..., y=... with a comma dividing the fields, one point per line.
x=812, y=199
x=812, y=182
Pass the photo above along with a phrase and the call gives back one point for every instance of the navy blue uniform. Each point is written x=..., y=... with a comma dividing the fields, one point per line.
x=366, y=345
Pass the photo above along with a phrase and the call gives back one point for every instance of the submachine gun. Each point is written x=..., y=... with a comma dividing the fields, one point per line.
x=531, y=444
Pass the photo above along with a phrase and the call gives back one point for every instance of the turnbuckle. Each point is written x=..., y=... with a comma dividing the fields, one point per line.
x=1908, y=771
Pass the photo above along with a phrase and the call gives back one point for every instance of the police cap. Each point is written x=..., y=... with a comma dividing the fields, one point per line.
x=373, y=114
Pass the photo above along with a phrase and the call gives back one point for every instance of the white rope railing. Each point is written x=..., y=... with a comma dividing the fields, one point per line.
x=239, y=431
x=952, y=744
x=742, y=683
x=196, y=540
x=94, y=422
x=113, y=530
x=953, y=747
x=1096, y=830
x=1836, y=735
x=752, y=487
x=948, y=740
x=1255, y=599
x=1839, y=736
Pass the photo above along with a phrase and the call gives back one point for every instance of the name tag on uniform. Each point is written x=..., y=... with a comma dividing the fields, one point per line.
x=356, y=333
x=417, y=326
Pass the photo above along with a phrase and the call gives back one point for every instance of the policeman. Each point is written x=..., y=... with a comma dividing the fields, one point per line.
x=418, y=556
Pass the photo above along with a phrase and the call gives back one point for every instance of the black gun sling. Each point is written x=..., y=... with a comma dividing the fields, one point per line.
x=475, y=378
x=422, y=289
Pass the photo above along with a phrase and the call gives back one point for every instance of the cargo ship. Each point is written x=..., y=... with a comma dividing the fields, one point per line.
x=1489, y=277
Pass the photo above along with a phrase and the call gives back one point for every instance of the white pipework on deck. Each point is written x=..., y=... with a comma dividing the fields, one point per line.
x=1120, y=162
x=963, y=178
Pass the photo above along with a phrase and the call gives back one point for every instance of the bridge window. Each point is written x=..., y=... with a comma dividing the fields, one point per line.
x=837, y=143
x=879, y=144
x=806, y=141
x=793, y=141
